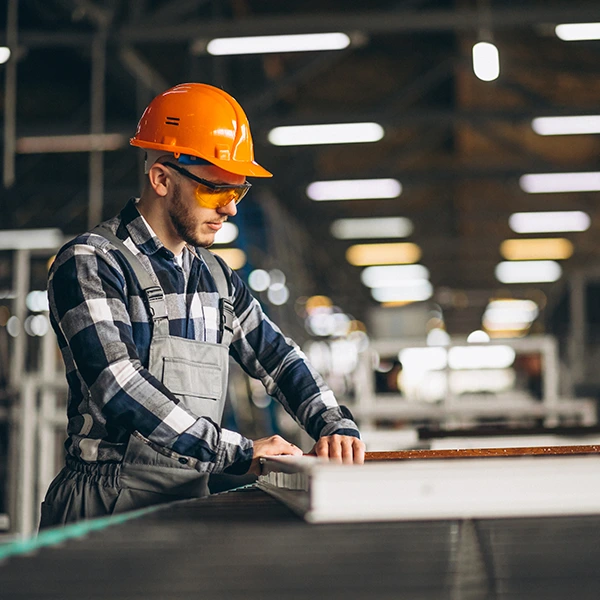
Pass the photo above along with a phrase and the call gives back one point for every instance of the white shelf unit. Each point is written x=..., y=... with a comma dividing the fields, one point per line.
x=453, y=410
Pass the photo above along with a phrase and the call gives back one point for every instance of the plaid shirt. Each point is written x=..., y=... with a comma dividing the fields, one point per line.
x=104, y=332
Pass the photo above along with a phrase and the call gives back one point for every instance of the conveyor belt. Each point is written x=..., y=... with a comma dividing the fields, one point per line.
x=244, y=544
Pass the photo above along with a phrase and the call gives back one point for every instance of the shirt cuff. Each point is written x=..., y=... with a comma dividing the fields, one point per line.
x=339, y=421
x=234, y=451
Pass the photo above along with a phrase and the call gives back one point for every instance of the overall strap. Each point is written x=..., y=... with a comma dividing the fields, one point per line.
x=155, y=297
x=225, y=304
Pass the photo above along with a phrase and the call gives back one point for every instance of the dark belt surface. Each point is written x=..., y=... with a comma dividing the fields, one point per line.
x=244, y=544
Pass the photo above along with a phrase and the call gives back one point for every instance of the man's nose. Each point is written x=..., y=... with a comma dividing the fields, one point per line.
x=229, y=209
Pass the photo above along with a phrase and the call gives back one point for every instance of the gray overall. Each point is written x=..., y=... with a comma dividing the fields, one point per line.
x=196, y=372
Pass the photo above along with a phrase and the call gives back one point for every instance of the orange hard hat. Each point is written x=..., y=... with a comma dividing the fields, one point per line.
x=199, y=120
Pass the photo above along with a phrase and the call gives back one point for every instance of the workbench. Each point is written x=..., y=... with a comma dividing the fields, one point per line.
x=245, y=544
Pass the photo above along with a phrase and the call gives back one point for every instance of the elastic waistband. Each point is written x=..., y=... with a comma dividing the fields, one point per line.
x=107, y=473
x=177, y=482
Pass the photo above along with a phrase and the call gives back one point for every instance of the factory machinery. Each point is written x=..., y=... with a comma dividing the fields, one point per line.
x=244, y=543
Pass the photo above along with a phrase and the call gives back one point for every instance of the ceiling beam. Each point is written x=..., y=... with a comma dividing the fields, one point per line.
x=142, y=71
x=406, y=118
x=171, y=12
x=371, y=22
x=402, y=21
x=428, y=116
x=263, y=100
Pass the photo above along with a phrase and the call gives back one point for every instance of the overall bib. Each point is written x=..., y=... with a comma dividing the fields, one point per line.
x=196, y=372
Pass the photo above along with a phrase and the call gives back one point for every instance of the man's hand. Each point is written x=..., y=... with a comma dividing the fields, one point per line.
x=340, y=448
x=271, y=446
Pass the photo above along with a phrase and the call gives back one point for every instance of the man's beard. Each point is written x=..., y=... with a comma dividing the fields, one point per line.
x=183, y=220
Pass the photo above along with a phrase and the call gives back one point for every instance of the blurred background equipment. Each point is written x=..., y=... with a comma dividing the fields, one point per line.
x=429, y=236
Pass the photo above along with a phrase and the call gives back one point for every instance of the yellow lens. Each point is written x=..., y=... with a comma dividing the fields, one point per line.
x=218, y=198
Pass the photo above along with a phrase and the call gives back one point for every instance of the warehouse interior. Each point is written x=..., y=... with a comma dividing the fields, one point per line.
x=427, y=239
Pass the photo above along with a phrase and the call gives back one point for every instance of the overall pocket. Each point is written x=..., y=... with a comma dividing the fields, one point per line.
x=198, y=385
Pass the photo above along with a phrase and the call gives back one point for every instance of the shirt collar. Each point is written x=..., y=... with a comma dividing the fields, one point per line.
x=140, y=231
x=143, y=235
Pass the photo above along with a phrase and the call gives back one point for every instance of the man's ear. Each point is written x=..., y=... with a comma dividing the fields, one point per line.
x=158, y=179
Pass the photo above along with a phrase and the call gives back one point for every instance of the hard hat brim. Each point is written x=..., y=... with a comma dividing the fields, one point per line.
x=249, y=169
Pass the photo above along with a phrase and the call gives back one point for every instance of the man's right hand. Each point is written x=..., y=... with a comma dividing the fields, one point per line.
x=271, y=446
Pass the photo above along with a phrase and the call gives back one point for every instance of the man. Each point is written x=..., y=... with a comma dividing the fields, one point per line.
x=146, y=318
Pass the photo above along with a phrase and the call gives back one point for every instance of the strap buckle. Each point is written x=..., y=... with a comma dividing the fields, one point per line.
x=156, y=302
x=226, y=310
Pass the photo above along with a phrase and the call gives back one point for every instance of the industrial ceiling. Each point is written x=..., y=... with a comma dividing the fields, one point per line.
x=458, y=145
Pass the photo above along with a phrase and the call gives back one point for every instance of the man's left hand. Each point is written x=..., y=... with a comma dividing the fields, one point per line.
x=340, y=448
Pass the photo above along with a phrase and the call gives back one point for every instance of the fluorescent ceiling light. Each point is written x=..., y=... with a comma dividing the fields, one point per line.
x=490, y=380
x=586, y=124
x=502, y=315
x=549, y=222
x=537, y=249
x=31, y=239
x=515, y=326
x=328, y=323
x=552, y=183
x=412, y=291
x=354, y=189
x=478, y=337
x=534, y=271
x=393, y=275
x=573, y=32
x=226, y=234
x=481, y=357
x=278, y=296
x=338, y=133
x=458, y=357
x=319, y=303
x=234, y=257
x=266, y=44
x=486, y=61
x=438, y=337
x=36, y=325
x=4, y=54
x=276, y=279
x=400, y=253
x=423, y=359
x=259, y=280
x=379, y=227
x=505, y=311
x=71, y=143
x=37, y=301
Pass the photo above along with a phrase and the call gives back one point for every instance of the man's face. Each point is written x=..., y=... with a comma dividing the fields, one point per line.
x=195, y=224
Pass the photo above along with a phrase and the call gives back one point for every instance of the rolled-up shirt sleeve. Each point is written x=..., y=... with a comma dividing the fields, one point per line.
x=264, y=352
x=88, y=303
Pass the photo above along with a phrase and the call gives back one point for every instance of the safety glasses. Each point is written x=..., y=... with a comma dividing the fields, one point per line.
x=213, y=195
